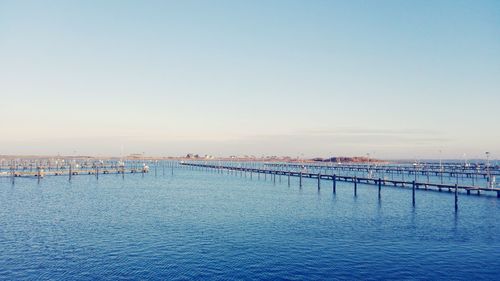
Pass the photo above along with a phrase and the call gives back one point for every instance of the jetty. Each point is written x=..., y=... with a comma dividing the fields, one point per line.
x=355, y=180
x=410, y=169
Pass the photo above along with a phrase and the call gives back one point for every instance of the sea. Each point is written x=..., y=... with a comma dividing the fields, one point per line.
x=201, y=224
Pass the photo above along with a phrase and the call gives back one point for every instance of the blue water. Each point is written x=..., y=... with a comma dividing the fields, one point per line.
x=203, y=225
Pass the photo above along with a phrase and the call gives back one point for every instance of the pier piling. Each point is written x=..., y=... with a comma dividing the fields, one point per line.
x=13, y=175
x=379, y=186
x=413, y=193
x=334, y=183
x=355, y=186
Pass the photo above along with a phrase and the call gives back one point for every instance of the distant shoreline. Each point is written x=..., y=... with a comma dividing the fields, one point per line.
x=342, y=159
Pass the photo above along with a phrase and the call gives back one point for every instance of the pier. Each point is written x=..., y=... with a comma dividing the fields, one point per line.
x=450, y=171
x=43, y=173
x=47, y=168
x=379, y=182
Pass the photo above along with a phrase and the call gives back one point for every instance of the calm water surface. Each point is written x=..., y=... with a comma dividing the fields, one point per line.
x=203, y=225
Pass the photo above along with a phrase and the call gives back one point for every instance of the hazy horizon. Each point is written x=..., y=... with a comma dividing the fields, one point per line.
x=202, y=156
x=396, y=79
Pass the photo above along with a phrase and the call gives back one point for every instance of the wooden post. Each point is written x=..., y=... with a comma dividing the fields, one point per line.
x=288, y=178
x=334, y=183
x=13, y=175
x=355, y=186
x=70, y=172
x=413, y=193
x=456, y=197
x=38, y=173
x=319, y=181
x=379, y=186
x=300, y=179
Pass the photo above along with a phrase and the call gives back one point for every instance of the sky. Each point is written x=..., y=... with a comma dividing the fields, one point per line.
x=396, y=79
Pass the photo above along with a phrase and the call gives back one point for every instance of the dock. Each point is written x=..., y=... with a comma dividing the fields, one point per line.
x=379, y=182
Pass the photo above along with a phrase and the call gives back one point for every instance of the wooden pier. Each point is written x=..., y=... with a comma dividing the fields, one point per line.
x=42, y=174
x=353, y=179
x=420, y=170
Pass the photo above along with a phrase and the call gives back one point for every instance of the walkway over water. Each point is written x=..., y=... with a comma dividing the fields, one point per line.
x=84, y=168
x=354, y=179
x=411, y=170
x=43, y=173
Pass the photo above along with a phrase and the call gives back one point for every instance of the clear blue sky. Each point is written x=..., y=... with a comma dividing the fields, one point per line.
x=397, y=79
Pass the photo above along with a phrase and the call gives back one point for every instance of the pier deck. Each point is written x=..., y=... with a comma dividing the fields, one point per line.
x=36, y=174
x=354, y=179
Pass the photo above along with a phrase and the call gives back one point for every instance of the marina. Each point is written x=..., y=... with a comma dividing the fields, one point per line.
x=249, y=140
x=482, y=181
x=354, y=179
x=191, y=221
